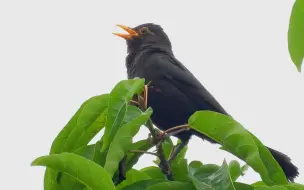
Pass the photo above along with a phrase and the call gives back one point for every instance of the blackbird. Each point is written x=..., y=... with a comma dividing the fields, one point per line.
x=174, y=93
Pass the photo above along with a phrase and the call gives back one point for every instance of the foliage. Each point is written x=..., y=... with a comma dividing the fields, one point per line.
x=73, y=163
x=295, y=34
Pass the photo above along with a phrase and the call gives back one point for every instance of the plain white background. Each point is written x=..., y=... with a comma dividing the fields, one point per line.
x=56, y=54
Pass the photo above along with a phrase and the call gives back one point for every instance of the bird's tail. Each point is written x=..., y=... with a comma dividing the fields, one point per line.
x=290, y=170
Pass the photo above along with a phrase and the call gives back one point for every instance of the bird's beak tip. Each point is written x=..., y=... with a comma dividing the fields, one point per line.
x=130, y=35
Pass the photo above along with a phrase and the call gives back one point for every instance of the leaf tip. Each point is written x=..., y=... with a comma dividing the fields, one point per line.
x=36, y=162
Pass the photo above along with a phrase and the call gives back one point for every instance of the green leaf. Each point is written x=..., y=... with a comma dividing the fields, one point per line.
x=133, y=176
x=238, y=141
x=142, y=185
x=99, y=157
x=86, y=151
x=85, y=123
x=291, y=186
x=67, y=182
x=83, y=120
x=176, y=185
x=295, y=34
x=182, y=153
x=132, y=158
x=195, y=164
x=154, y=172
x=123, y=141
x=92, y=130
x=258, y=184
x=218, y=180
x=180, y=170
x=120, y=97
x=244, y=169
x=242, y=186
x=87, y=172
x=235, y=170
x=206, y=170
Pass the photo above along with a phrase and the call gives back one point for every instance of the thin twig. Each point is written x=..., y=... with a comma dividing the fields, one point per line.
x=176, y=132
x=164, y=165
x=185, y=126
x=141, y=151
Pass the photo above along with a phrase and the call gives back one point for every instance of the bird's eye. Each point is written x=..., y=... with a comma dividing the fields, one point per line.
x=143, y=30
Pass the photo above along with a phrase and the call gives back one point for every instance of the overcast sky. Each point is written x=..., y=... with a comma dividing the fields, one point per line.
x=56, y=54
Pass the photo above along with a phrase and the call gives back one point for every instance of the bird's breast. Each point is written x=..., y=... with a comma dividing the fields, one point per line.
x=170, y=106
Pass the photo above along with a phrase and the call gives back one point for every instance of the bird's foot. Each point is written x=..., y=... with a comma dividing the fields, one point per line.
x=134, y=103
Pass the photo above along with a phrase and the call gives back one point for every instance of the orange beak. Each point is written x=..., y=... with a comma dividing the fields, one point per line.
x=130, y=35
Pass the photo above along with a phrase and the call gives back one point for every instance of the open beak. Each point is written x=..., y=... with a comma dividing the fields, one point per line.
x=130, y=35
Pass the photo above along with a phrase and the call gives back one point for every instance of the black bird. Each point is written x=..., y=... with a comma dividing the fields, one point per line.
x=174, y=93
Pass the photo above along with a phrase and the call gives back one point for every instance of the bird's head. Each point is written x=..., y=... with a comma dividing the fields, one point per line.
x=144, y=35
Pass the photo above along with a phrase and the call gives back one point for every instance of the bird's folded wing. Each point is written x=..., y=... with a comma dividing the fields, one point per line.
x=185, y=81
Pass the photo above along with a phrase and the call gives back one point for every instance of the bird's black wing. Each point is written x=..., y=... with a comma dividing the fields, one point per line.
x=175, y=72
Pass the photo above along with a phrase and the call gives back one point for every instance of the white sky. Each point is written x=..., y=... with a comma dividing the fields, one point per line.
x=54, y=55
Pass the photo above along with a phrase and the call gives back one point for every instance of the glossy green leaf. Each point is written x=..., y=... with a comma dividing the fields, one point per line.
x=295, y=34
x=244, y=169
x=291, y=186
x=238, y=141
x=133, y=176
x=154, y=172
x=235, y=170
x=218, y=180
x=176, y=185
x=87, y=172
x=120, y=97
x=180, y=170
x=132, y=158
x=99, y=157
x=258, y=184
x=67, y=182
x=85, y=123
x=68, y=138
x=142, y=185
x=206, y=170
x=195, y=164
x=182, y=153
x=92, y=130
x=123, y=141
x=242, y=186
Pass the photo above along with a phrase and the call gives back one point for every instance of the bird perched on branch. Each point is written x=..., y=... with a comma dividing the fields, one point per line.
x=174, y=92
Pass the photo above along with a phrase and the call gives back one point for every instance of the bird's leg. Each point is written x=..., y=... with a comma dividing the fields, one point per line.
x=133, y=102
x=176, y=149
